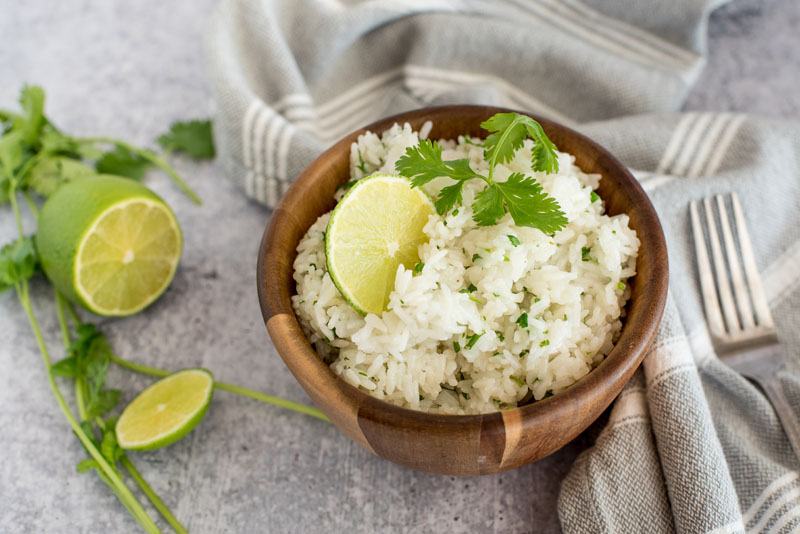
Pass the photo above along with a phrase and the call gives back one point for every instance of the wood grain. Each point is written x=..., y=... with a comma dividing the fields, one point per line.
x=448, y=444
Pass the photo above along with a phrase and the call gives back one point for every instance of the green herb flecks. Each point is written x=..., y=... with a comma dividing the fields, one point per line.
x=517, y=380
x=473, y=339
x=522, y=320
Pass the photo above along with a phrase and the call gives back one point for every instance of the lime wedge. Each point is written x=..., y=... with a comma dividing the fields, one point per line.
x=374, y=228
x=166, y=411
x=109, y=244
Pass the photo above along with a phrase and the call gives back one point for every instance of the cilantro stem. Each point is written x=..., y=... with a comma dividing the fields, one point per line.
x=12, y=196
x=165, y=512
x=62, y=321
x=30, y=164
x=114, y=480
x=262, y=397
x=149, y=156
x=269, y=399
x=31, y=204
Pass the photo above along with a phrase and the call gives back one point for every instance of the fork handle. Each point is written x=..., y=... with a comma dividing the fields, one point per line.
x=789, y=420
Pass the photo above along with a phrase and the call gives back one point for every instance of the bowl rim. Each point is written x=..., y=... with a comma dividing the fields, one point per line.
x=624, y=358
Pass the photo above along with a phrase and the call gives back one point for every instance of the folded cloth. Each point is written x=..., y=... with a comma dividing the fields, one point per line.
x=690, y=446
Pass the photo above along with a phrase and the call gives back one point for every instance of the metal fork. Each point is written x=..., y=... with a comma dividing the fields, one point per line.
x=746, y=339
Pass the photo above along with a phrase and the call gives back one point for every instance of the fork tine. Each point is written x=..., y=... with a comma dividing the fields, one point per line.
x=723, y=285
x=710, y=301
x=739, y=287
x=750, y=269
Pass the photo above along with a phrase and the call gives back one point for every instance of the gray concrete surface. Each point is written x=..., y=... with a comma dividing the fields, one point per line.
x=128, y=70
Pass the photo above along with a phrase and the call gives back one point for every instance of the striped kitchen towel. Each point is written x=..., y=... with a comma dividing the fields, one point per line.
x=691, y=446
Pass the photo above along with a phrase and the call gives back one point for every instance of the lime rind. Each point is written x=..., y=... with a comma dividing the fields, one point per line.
x=87, y=299
x=329, y=242
x=176, y=433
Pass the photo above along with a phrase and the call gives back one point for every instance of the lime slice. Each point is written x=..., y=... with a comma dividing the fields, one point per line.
x=109, y=244
x=166, y=411
x=374, y=228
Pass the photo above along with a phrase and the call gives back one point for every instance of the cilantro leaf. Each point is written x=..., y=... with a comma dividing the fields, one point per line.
x=488, y=206
x=193, y=137
x=11, y=152
x=449, y=197
x=529, y=205
x=32, y=101
x=545, y=158
x=103, y=402
x=509, y=132
x=66, y=368
x=86, y=465
x=423, y=163
x=109, y=447
x=47, y=175
x=92, y=355
x=122, y=162
x=18, y=262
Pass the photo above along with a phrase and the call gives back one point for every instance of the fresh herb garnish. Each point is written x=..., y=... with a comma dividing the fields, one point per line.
x=36, y=157
x=544, y=343
x=456, y=346
x=522, y=320
x=585, y=253
x=475, y=257
x=418, y=268
x=469, y=289
x=519, y=195
x=514, y=240
x=347, y=185
x=517, y=380
x=594, y=196
x=473, y=339
x=193, y=137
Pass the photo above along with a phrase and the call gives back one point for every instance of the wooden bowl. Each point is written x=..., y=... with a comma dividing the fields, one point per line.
x=455, y=444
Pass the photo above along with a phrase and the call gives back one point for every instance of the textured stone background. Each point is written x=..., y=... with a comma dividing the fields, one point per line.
x=128, y=70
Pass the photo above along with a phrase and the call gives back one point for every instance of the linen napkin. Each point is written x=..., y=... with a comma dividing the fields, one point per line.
x=690, y=445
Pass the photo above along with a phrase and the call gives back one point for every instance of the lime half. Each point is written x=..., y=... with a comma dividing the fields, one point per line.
x=166, y=411
x=374, y=228
x=109, y=243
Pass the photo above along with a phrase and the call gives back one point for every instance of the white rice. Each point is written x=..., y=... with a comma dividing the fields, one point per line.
x=573, y=299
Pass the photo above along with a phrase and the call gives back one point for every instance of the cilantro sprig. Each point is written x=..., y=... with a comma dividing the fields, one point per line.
x=520, y=195
x=35, y=159
x=36, y=156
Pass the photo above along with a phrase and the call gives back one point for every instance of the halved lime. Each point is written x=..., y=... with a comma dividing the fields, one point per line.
x=374, y=228
x=166, y=411
x=109, y=244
